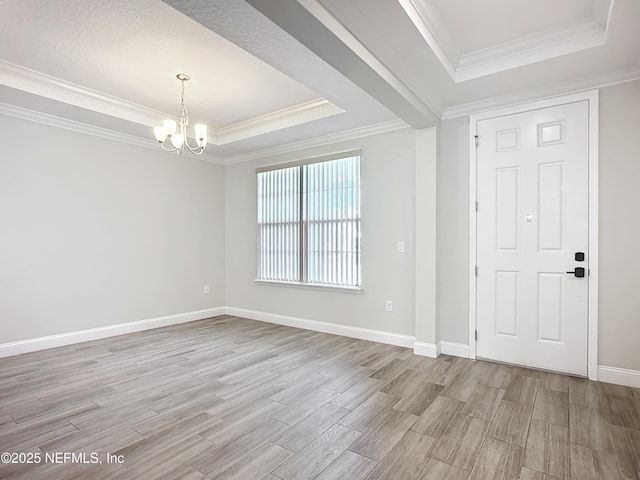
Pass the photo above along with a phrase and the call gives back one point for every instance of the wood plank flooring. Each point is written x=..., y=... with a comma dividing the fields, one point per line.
x=230, y=398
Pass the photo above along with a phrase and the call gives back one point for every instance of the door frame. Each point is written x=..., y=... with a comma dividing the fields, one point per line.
x=592, y=97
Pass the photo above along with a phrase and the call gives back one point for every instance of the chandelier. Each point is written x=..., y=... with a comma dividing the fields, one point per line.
x=179, y=140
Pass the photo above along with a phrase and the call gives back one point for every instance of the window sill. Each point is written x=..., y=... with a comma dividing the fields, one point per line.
x=309, y=286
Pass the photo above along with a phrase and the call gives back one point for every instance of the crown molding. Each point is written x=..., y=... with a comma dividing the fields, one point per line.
x=74, y=126
x=531, y=49
x=287, y=117
x=360, y=132
x=494, y=103
x=509, y=55
x=427, y=20
x=48, y=86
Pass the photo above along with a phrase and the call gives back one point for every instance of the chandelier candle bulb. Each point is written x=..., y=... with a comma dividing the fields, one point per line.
x=169, y=127
x=179, y=140
x=161, y=133
x=201, y=134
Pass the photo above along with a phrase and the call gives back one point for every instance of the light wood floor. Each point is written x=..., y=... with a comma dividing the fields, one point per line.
x=230, y=398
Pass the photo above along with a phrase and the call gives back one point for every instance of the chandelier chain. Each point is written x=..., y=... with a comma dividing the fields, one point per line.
x=183, y=109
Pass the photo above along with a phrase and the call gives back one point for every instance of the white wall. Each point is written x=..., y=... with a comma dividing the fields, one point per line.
x=619, y=232
x=95, y=232
x=387, y=172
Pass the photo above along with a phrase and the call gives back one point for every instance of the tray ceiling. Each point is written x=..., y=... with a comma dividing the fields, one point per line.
x=475, y=39
x=267, y=74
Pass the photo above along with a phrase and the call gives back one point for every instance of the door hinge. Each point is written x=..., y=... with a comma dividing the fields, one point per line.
x=477, y=139
x=476, y=270
x=476, y=206
x=476, y=335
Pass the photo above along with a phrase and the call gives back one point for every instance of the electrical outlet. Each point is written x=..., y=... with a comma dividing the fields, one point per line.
x=207, y=289
x=389, y=306
x=400, y=246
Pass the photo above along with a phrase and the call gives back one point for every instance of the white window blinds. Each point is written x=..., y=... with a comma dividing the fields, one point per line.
x=309, y=221
x=279, y=224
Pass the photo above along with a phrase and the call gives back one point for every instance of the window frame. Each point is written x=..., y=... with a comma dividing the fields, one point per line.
x=303, y=250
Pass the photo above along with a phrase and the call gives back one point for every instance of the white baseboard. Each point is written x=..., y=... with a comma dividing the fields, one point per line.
x=62, y=339
x=619, y=376
x=419, y=348
x=325, y=327
x=455, y=349
x=426, y=349
x=446, y=348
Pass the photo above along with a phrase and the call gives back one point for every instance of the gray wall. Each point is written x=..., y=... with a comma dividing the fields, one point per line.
x=387, y=171
x=425, y=184
x=452, y=230
x=619, y=232
x=96, y=232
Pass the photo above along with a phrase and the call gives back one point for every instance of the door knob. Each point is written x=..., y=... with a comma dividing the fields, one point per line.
x=578, y=272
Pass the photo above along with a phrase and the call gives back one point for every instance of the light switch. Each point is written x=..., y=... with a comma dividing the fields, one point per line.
x=400, y=246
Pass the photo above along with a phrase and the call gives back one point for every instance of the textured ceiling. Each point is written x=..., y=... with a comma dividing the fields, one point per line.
x=133, y=49
x=268, y=73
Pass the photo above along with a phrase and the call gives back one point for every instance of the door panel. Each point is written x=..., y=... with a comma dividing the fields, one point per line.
x=550, y=306
x=532, y=218
x=506, y=303
x=550, y=193
x=507, y=208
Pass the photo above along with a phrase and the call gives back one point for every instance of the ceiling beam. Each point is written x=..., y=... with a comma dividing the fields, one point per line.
x=333, y=44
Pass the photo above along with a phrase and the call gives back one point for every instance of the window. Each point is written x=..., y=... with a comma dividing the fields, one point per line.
x=309, y=221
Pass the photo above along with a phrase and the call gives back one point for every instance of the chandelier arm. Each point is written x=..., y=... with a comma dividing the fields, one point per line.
x=192, y=149
x=171, y=149
x=196, y=151
x=184, y=121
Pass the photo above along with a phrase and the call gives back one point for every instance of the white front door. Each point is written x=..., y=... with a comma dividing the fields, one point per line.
x=532, y=227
